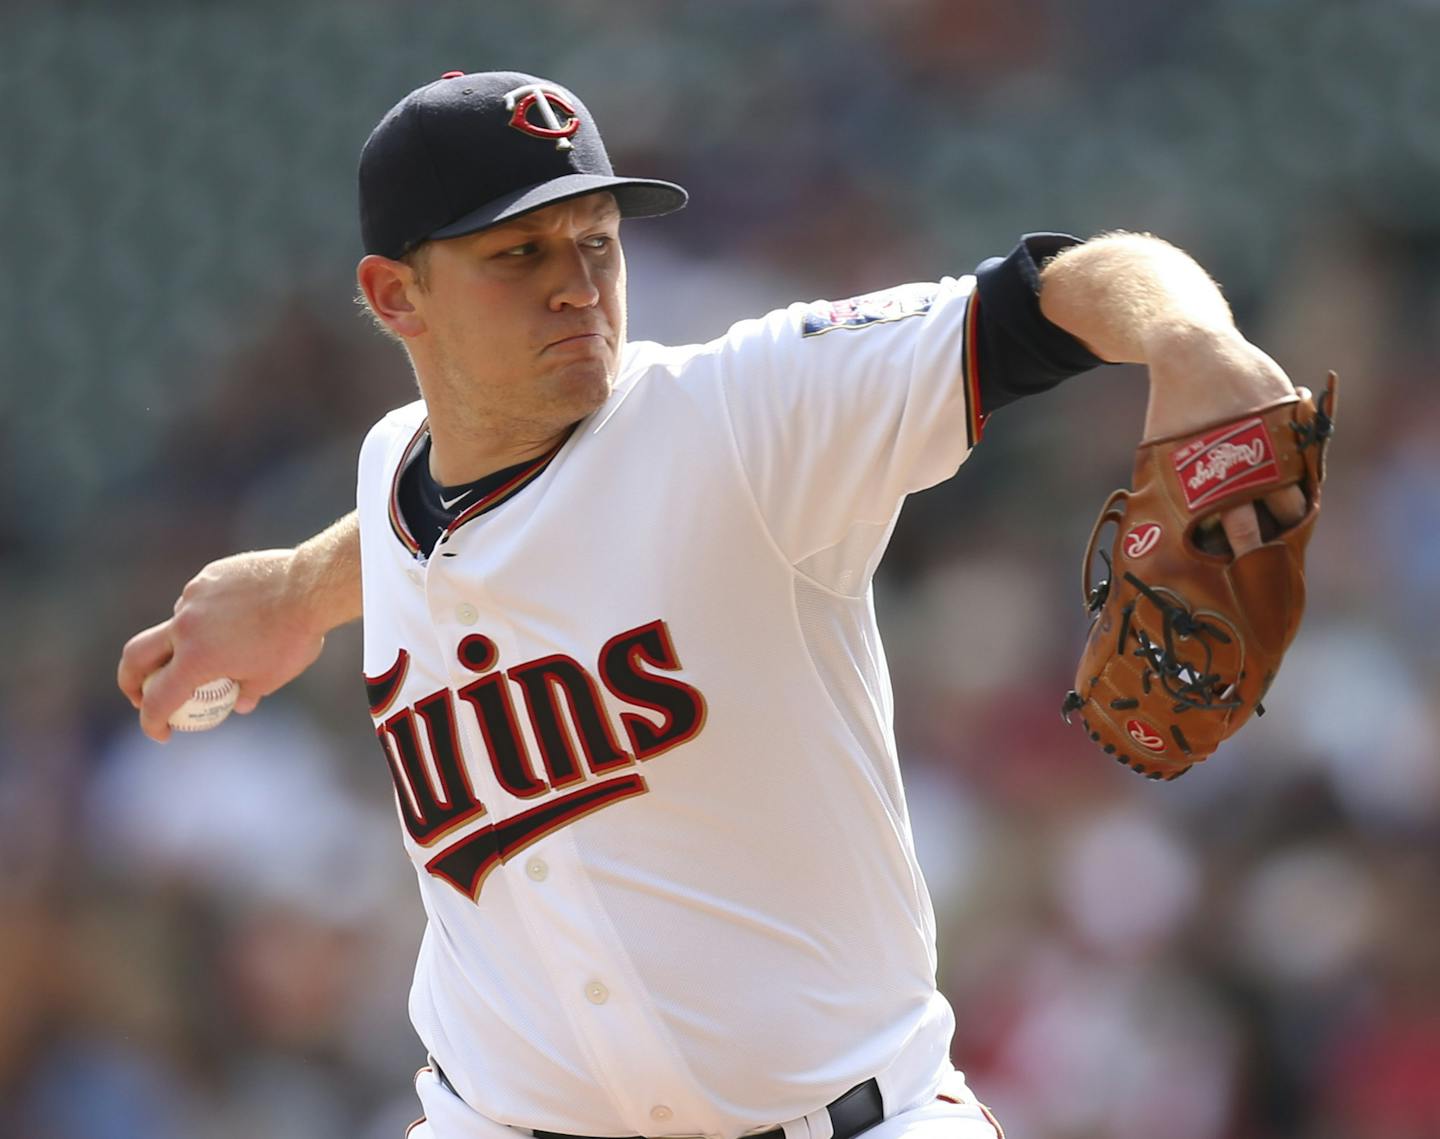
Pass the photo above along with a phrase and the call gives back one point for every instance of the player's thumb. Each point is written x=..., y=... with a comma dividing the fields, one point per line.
x=249, y=698
x=161, y=693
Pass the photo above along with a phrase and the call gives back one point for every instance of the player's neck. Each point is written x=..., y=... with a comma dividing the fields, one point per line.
x=458, y=457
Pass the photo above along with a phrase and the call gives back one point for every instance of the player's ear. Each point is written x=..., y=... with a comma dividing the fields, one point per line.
x=388, y=287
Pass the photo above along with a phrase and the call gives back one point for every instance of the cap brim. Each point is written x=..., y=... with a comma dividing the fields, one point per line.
x=636, y=197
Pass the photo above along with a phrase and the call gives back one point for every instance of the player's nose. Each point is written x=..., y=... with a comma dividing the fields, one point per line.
x=576, y=284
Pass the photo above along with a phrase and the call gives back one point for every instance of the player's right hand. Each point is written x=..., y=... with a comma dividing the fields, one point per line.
x=240, y=617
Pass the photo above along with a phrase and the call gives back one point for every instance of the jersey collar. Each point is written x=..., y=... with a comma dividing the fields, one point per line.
x=507, y=490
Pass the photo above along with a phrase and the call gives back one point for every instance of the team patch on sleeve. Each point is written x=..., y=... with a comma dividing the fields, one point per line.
x=873, y=308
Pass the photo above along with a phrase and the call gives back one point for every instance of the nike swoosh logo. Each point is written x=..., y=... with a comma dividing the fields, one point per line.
x=449, y=504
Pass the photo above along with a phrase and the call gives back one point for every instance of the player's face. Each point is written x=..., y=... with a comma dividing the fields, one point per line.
x=527, y=319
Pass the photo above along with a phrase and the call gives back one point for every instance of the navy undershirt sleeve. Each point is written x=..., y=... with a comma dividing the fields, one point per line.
x=1021, y=352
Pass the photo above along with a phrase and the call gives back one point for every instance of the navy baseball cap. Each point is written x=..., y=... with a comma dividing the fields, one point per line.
x=470, y=151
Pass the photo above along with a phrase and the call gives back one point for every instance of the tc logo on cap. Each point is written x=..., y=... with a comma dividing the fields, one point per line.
x=523, y=99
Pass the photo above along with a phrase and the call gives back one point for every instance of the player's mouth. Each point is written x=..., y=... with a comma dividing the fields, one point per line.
x=579, y=342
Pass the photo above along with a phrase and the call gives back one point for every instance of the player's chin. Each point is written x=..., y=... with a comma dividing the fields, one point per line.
x=582, y=384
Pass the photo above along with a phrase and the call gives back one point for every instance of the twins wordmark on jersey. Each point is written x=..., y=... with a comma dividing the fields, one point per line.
x=564, y=706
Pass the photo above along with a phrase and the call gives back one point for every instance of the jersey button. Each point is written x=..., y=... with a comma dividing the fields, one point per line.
x=596, y=993
x=660, y=1113
x=467, y=614
x=537, y=869
x=413, y=575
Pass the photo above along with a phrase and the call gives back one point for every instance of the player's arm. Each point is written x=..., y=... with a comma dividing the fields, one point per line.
x=259, y=617
x=1136, y=299
x=1132, y=298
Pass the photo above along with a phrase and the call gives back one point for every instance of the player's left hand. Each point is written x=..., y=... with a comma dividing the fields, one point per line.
x=1188, y=634
x=1199, y=378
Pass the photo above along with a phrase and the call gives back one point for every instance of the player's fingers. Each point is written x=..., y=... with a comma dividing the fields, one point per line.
x=246, y=702
x=156, y=727
x=163, y=692
x=1242, y=528
x=1288, y=505
x=145, y=652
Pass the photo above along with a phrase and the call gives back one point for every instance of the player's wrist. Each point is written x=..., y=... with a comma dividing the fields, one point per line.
x=1203, y=374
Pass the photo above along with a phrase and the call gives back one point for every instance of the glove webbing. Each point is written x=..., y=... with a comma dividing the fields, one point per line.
x=1191, y=686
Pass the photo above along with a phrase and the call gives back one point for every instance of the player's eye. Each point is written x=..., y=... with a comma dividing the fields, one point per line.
x=598, y=241
x=522, y=250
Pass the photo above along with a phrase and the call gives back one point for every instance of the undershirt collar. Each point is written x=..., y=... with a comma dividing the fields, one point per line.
x=428, y=508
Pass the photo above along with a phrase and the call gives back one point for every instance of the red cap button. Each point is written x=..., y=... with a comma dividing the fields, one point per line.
x=452, y=75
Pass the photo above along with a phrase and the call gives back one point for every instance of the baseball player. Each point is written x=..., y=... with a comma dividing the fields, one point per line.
x=620, y=650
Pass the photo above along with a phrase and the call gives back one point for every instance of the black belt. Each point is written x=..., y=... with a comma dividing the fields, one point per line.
x=857, y=1110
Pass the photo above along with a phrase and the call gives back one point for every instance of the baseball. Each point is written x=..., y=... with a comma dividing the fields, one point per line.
x=208, y=706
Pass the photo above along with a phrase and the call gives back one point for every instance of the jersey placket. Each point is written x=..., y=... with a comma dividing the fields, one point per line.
x=610, y=1011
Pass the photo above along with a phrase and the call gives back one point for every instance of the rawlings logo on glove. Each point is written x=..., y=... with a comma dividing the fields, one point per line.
x=1186, y=637
x=1236, y=457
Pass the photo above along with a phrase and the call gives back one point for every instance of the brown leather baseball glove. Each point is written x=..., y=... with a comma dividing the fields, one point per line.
x=1186, y=638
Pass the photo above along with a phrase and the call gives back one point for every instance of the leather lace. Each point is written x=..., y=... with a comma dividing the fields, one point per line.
x=1191, y=683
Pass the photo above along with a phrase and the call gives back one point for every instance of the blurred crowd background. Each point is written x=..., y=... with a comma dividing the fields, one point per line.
x=213, y=939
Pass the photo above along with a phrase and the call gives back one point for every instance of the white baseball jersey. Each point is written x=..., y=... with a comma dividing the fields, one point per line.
x=638, y=716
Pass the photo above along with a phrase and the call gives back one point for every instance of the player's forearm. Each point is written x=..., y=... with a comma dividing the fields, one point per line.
x=1132, y=298
x=1127, y=296
x=325, y=573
